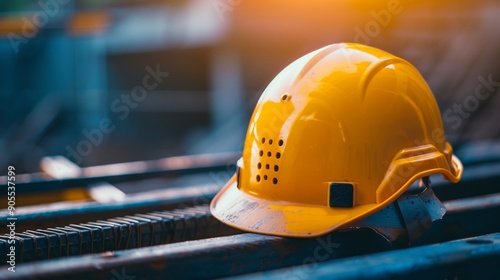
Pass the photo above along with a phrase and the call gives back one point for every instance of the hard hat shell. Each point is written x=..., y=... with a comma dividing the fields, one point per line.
x=338, y=135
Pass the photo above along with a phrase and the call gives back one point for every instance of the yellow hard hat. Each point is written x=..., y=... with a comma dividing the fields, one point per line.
x=338, y=135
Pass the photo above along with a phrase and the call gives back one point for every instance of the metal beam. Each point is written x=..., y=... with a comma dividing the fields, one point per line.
x=472, y=258
x=206, y=258
x=64, y=213
x=37, y=182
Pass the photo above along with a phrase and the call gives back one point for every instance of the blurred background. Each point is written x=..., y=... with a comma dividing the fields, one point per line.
x=120, y=80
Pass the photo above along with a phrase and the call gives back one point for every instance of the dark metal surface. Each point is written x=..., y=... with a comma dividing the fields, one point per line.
x=231, y=255
x=247, y=253
x=64, y=213
x=139, y=230
x=473, y=258
x=465, y=218
x=172, y=166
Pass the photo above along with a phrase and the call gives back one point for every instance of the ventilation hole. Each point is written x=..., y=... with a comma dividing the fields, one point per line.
x=275, y=181
x=259, y=165
x=270, y=141
x=265, y=177
x=276, y=168
x=269, y=154
x=263, y=140
x=258, y=178
x=280, y=143
x=278, y=155
x=261, y=153
x=267, y=166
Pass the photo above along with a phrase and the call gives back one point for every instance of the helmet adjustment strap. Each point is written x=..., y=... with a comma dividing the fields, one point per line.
x=415, y=214
x=407, y=218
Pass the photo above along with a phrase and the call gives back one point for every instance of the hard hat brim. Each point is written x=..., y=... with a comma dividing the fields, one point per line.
x=249, y=213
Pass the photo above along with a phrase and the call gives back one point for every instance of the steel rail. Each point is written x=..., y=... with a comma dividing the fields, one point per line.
x=250, y=253
x=63, y=213
x=120, y=233
x=117, y=172
x=472, y=258
x=236, y=254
